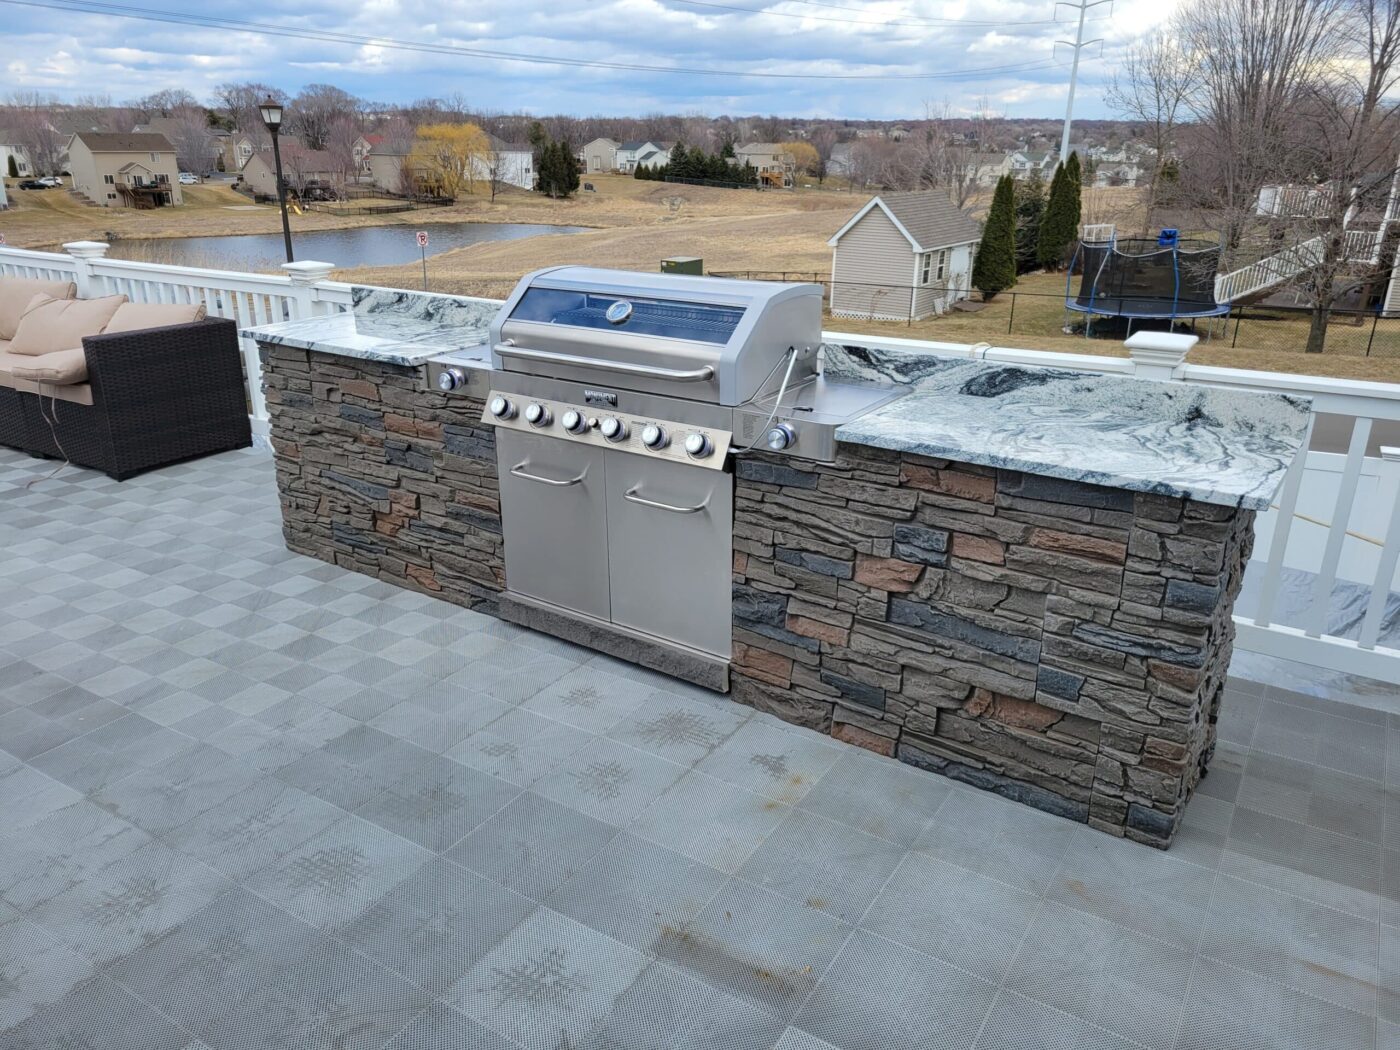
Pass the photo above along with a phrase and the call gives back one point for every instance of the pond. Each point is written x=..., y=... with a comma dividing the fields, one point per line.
x=363, y=246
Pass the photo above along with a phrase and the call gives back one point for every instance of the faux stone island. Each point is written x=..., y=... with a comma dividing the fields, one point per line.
x=1019, y=578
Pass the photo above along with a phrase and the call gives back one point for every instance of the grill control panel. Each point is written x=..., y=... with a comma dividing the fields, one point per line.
x=606, y=427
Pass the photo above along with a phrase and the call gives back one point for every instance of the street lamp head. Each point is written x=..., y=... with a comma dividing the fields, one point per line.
x=271, y=111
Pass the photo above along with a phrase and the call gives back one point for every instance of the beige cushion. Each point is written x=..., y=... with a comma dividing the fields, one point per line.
x=61, y=324
x=78, y=393
x=17, y=292
x=63, y=367
x=133, y=317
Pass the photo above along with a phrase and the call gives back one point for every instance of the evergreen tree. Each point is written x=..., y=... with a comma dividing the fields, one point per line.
x=1061, y=220
x=994, y=269
x=14, y=168
x=568, y=164
x=1075, y=174
x=1030, y=209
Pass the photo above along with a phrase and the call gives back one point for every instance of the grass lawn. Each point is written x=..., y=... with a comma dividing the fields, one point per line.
x=1037, y=317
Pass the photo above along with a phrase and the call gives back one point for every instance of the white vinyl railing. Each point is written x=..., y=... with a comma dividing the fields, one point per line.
x=302, y=290
x=1336, y=519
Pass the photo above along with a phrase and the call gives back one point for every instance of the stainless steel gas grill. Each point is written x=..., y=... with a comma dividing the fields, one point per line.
x=618, y=400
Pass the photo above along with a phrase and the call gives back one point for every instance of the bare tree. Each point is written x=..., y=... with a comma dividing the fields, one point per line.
x=316, y=108
x=341, y=137
x=31, y=126
x=1254, y=62
x=1152, y=86
x=189, y=132
x=241, y=101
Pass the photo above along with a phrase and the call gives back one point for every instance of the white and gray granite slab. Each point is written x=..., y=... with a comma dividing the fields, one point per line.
x=1212, y=444
x=389, y=325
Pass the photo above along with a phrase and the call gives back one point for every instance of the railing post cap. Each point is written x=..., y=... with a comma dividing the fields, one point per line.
x=308, y=272
x=1159, y=355
x=1390, y=452
x=86, y=249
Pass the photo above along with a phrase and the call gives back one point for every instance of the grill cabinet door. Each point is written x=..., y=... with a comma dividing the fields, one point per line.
x=554, y=520
x=670, y=563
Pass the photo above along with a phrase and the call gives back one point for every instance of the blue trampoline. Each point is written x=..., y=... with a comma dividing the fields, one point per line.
x=1169, y=278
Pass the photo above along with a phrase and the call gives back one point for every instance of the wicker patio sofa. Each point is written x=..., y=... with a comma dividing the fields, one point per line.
x=119, y=387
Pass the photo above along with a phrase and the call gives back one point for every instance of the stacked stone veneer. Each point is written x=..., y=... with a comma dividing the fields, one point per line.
x=1059, y=643
x=378, y=474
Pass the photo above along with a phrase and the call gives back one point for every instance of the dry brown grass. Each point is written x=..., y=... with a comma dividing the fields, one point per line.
x=791, y=241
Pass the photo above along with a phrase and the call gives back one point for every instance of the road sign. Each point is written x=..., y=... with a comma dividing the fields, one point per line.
x=422, y=238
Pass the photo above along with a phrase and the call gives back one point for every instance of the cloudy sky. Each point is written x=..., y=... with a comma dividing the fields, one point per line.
x=842, y=58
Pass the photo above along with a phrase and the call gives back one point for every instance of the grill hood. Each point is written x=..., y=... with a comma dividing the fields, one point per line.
x=703, y=338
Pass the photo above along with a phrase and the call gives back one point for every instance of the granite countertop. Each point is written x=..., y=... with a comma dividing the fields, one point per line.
x=391, y=326
x=1210, y=444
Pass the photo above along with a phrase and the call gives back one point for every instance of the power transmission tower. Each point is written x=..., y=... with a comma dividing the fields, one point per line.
x=1078, y=44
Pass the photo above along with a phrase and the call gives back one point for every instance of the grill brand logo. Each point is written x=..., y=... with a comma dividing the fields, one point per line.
x=599, y=397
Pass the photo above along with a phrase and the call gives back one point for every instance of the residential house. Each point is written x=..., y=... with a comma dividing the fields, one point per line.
x=632, y=155
x=10, y=149
x=299, y=166
x=1023, y=162
x=130, y=170
x=839, y=163
x=239, y=147
x=513, y=163
x=902, y=256
x=360, y=150
x=1116, y=173
x=599, y=155
x=386, y=163
x=988, y=168
x=772, y=160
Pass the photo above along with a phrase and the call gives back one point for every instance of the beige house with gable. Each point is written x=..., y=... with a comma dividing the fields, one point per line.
x=773, y=162
x=131, y=170
x=902, y=256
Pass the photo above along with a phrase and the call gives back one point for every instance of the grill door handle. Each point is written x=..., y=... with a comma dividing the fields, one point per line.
x=631, y=496
x=678, y=375
x=519, y=471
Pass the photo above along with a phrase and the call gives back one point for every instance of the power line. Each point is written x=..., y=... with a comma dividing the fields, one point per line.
x=946, y=23
x=334, y=36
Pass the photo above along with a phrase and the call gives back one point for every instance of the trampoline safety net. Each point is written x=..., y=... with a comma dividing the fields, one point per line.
x=1141, y=277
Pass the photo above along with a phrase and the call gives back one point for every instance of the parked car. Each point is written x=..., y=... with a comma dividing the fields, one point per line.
x=33, y=184
x=51, y=181
x=319, y=190
x=189, y=178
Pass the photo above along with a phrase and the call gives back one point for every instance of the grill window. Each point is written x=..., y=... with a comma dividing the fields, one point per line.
x=667, y=318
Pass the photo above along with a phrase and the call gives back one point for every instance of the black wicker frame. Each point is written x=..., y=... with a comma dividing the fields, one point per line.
x=160, y=396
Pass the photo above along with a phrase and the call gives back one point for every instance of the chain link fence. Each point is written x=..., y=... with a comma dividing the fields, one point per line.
x=1042, y=315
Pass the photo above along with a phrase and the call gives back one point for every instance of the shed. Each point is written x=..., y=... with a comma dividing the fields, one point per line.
x=902, y=256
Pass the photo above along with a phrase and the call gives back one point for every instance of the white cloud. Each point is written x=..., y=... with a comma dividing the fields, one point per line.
x=72, y=53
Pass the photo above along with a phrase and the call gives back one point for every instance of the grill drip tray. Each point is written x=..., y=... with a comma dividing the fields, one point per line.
x=690, y=665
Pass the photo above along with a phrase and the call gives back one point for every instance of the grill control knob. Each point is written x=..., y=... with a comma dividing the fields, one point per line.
x=698, y=446
x=780, y=437
x=654, y=438
x=501, y=408
x=573, y=422
x=451, y=379
x=537, y=415
x=614, y=429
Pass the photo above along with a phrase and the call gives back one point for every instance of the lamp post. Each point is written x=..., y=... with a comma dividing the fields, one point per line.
x=271, y=111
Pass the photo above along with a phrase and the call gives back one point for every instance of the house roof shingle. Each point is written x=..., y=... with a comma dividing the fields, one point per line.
x=130, y=142
x=929, y=219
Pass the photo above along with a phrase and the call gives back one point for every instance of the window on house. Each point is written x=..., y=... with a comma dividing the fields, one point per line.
x=110, y=180
x=162, y=178
x=924, y=261
x=942, y=264
x=155, y=157
x=111, y=196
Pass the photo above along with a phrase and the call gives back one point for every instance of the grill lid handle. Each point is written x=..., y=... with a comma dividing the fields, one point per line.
x=678, y=375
